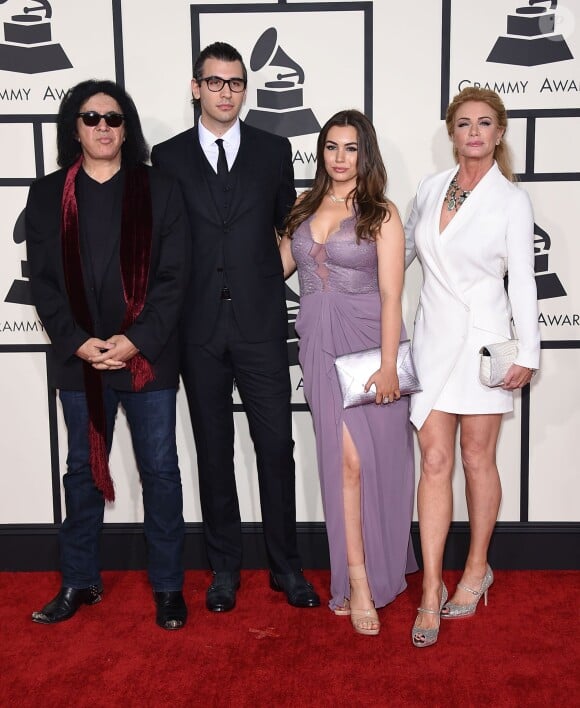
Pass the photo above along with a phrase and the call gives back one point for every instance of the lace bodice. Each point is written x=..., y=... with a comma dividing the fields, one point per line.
x=340, y=265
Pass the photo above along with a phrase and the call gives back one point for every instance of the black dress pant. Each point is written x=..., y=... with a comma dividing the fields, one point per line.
x=261, y=374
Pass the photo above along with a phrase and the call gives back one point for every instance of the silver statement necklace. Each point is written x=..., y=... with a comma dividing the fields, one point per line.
x=456, y=195
x=337, y=200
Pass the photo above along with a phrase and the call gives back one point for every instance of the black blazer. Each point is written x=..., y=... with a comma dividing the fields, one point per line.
x=243, y=246
x=154, y=332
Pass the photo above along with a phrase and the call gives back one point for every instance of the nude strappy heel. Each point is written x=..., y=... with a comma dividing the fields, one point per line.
x=343, y=610
x=364, y=621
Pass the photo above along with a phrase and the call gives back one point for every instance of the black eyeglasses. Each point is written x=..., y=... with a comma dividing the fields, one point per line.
x=216, y=83
x=92, y=118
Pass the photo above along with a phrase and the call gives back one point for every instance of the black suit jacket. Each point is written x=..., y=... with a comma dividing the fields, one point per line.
x=154, y=332
x=244, y=246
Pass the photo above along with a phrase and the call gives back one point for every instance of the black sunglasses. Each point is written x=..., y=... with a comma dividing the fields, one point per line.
x=92, y=118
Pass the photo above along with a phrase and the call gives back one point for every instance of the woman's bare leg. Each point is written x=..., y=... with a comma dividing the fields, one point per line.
x=478, y=439
x=434, y=505
x=360, y=594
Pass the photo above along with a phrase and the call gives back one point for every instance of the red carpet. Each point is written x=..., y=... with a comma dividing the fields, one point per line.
x=521, y=650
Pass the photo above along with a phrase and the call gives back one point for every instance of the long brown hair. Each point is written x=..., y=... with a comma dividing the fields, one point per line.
x=368, y=196
x=501, y=153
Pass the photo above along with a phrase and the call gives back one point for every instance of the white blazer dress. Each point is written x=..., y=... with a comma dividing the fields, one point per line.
x=463, y=304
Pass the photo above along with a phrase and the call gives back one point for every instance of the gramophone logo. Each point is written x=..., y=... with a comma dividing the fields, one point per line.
x=20, y=292
x=280, y=103
x=28, y=46
x=548, y=284
x=531, y=37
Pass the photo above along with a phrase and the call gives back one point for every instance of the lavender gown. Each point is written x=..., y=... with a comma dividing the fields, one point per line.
x=340, y=313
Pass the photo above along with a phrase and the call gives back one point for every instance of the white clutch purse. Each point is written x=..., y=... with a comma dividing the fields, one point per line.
x=355, y=369
x=496, y=359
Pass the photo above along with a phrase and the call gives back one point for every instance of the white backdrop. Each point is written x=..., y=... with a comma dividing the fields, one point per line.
x=400, y=62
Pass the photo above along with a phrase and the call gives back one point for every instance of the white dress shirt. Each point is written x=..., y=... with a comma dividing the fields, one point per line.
x=231, y=140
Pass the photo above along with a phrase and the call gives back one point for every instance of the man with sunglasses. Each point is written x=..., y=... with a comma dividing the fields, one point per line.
x=108, y=248
x=238, y=185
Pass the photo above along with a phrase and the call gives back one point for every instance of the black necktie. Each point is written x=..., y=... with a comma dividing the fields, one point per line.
x=222, y=163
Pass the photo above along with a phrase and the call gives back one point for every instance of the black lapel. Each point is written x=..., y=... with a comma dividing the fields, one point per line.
x=243, y=170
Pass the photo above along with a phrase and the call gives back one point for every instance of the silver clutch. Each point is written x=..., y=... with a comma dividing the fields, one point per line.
x=496, y=359
x=355, y=369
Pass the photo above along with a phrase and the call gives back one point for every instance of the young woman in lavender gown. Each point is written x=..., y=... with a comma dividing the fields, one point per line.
x=347, y=242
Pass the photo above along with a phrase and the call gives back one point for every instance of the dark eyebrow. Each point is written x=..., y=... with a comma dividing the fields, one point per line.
x=478, y=117
x=221, y=78
x=353, y=142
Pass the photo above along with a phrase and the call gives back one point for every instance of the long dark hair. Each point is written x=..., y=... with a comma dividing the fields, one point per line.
x=371, y=205
x=134, y=150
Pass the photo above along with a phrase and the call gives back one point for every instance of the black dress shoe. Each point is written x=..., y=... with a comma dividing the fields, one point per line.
x=221, y=594
x=171, y=609
x=299, y=592
x=66, y=603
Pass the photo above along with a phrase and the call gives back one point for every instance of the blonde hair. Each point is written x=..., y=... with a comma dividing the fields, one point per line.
x=501, y=153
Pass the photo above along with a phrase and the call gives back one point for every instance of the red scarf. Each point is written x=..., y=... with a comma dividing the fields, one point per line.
x=135, y=254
